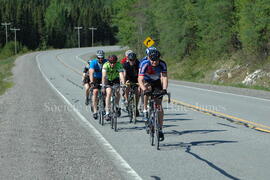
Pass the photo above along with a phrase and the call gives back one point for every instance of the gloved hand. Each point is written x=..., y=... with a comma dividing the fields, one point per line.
x=163, y=91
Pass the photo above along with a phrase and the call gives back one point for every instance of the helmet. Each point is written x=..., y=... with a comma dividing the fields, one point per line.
x=112, y=59
x=149, y=49
x=100, y=53
x=127, y=52
x=154, y=55
x=132, y=56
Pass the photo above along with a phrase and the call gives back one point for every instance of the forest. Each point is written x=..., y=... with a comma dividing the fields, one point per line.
x=184, y=30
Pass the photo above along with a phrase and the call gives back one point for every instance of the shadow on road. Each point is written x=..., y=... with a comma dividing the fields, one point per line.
x=188, y=147
x=156, y=177
x=174, y=119
x=193, y=131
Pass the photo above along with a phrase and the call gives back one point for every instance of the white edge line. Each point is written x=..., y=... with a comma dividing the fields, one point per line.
x=126, y=167
x=219, y=92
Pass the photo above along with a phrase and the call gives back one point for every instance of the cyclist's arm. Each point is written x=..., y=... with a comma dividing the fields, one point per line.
x=91, y=75
x=122, y=77
x=164, y=80
x=104, y=74
x=141, y=84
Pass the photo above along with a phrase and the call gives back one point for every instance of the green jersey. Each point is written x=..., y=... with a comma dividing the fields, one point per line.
x=112, y=72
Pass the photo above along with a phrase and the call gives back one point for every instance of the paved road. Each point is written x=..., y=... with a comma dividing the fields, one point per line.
x=197, y=145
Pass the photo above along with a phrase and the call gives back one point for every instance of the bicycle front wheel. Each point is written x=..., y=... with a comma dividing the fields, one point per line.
x=157, y=129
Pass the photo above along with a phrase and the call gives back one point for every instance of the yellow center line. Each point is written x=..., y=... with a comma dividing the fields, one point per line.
x=249, y=124
x=68, y=66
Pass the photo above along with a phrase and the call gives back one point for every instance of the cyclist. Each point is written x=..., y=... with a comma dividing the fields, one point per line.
x=131, y=74
x=153, y=77
x=95, y=75
x=112, y=73
x=86, y=81
x=126, y=56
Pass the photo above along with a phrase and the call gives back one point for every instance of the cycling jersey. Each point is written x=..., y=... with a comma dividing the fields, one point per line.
x=112, y=72
x=152, y=73
x=132, y=71
x=97, y=67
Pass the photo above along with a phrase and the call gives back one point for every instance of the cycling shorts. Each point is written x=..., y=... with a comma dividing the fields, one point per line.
x=113, y=82
x=97, y=83
x=86, y=80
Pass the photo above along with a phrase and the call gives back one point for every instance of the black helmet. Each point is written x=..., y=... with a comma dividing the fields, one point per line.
x=132, y=56
x=112, y=59
x=154, y=55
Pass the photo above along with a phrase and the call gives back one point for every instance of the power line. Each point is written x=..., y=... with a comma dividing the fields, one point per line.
x=93, y=29
x=6, y=24
x=15, y=37
x=78, y=28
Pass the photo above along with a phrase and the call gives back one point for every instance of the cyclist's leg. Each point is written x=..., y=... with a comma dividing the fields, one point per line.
x=145, y=101
x=87, y=91
x=95, y=93
x=108, y=99
x=94, y=99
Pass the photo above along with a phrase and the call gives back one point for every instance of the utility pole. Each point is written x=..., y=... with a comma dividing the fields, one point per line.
x=15, y=37
x=78, y=28
x=92, y=28
x=6, y=24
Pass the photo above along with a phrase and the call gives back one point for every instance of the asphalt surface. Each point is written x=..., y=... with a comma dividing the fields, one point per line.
x=43, y=138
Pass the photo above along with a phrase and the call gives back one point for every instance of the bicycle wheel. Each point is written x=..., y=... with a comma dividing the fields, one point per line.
x=101, y=112
x=115, y=122
x=130, y=110
x=134, y=108
x=157, y=129
x=151, y=130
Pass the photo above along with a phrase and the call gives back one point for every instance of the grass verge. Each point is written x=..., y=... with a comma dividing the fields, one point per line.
x=6, y=74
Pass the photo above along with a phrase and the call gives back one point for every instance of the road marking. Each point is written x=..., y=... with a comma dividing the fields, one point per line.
x=250, y=124
x=219, y=92
x=125, y=167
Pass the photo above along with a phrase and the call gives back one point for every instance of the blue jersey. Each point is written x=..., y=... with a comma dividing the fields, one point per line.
x=97, y=67
x=152, y=73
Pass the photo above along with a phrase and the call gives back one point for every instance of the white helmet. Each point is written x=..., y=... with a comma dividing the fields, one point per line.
x=127, y=52
x=100, y=54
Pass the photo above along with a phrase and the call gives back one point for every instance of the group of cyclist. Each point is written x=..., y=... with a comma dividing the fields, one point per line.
x=150, y=73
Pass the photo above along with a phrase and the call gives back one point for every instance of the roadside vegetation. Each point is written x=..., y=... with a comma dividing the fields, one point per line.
x=7, y=59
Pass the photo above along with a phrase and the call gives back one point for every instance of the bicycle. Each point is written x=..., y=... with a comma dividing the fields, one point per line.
x=153, y=125
x=101, y=107
x=132, y=102
x=113, y=110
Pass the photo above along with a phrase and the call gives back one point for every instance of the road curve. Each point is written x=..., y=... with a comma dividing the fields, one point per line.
x=197, y=145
